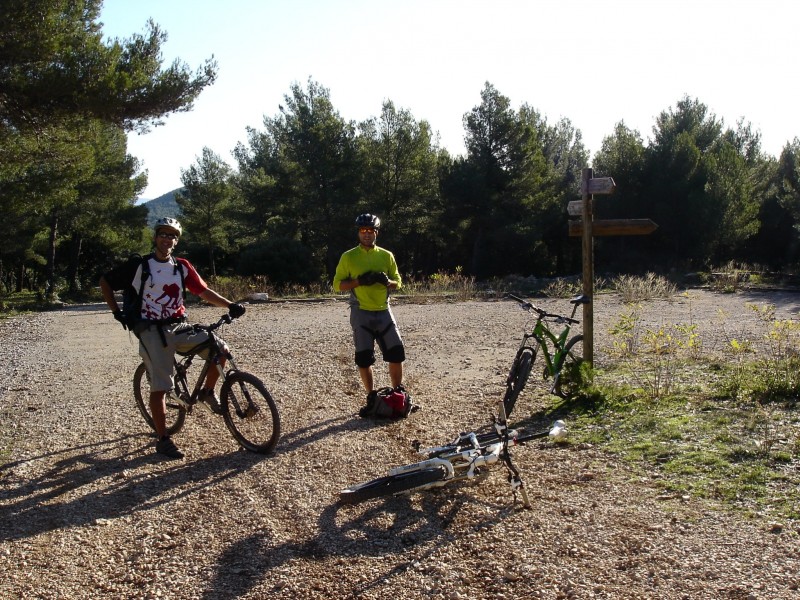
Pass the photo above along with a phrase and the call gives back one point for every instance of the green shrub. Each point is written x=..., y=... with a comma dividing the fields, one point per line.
x=633, y=288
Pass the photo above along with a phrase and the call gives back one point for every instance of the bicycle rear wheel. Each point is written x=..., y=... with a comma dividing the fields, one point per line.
x=175, y=412
x=250, y=413
x=390, y=485
x=517, y=378
x=570, y=377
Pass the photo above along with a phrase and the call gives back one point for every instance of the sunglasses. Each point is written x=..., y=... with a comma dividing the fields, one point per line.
x=366, y=230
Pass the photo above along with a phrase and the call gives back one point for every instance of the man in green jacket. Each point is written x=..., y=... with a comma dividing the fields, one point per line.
x=369, y=272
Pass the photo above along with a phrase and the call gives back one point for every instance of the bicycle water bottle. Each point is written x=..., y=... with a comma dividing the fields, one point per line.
x=559, y=430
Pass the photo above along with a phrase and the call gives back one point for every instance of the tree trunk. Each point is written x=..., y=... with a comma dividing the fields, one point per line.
x=20, y=278
x=50, y=286
x=74, y=264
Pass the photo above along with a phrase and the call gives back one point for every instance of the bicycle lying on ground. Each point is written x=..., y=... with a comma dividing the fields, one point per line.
x=563, y=364
x=466, y=457
x=249, y=411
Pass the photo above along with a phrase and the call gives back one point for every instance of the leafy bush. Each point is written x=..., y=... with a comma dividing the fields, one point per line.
x=632, y=288
x=443, y=283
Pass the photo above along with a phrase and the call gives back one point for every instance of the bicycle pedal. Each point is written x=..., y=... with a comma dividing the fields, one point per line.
x=206, y=407
x=177, y=402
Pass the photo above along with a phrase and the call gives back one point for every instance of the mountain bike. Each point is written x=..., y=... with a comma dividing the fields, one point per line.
x=562, y=364
x=247, y=407
x=468, y=456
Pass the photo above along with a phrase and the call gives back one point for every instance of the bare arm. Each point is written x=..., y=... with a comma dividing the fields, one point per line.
x=348, y=284
x=108, y=295
x=214, y=298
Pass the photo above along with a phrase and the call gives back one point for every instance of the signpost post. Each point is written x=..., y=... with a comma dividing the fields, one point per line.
x=587, y=228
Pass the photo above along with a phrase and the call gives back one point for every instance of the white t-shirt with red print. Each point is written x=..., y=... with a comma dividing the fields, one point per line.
x=162, y=296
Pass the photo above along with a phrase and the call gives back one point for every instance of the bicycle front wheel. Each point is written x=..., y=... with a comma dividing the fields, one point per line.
x=250, y=413
x=517, y=378
x=569, y=374
x=390, y=485
x=175, y=412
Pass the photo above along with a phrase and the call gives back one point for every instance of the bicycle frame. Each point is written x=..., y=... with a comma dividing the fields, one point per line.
x=543, y=335
x=453, y=458
x=459, y=464
x=217, y=350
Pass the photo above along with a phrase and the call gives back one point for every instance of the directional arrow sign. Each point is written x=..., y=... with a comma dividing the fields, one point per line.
x=575, y=208
x=600, y=185
x=614, y=227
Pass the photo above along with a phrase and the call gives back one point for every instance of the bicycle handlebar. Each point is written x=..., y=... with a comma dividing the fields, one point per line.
x=225, y=319
x=542, y=313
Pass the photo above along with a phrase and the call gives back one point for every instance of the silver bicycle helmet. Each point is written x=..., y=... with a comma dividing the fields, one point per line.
x=170, y=223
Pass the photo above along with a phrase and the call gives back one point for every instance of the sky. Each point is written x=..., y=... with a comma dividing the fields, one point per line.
x=594, y=62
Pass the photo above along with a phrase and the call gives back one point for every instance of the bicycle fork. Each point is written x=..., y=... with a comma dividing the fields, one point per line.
x=180, y=390
x=515, y=479
x=242, y=401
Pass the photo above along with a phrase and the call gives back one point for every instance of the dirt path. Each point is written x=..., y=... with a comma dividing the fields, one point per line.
x=87, y=510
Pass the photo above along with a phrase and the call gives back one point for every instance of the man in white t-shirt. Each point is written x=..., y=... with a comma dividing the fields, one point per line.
x=161, y=323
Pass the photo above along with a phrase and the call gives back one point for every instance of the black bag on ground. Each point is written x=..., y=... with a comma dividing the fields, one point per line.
x=388, y=403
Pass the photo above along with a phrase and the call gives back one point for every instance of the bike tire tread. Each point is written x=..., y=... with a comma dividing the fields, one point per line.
x=390, y=485
x=266, y=405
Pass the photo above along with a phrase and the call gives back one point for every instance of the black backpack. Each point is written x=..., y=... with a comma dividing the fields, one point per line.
x=132, y=299
x=388, y=403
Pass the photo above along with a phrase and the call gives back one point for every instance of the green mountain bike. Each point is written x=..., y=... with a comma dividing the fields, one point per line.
x=562, y=354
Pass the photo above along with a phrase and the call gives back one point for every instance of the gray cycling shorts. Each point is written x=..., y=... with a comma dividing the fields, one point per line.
x=158, y=358
x=369, y=326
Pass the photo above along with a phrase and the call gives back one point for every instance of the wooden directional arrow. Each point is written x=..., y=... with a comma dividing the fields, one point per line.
x=600, y=185
x=575, y=208
x=614, y=227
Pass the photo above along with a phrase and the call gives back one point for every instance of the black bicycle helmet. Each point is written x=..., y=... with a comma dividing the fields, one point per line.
x=368, y=220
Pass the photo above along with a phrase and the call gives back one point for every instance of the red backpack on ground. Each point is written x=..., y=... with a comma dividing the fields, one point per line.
x=388, y=403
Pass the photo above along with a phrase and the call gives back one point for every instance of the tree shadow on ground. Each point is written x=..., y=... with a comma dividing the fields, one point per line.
x=317, y=431
x=393, y=526
x=53, y=500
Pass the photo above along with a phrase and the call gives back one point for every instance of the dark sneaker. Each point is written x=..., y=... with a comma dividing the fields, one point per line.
x=208, y=399
x=367, y=410
x=168, y=448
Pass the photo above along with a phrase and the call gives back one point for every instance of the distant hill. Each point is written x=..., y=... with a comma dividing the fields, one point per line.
x=163, y=206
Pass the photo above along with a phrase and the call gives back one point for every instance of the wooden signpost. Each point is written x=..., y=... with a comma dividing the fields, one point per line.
x=586, y=227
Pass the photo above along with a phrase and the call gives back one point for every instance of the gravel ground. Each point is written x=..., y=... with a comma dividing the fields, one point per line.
x=87, y=510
